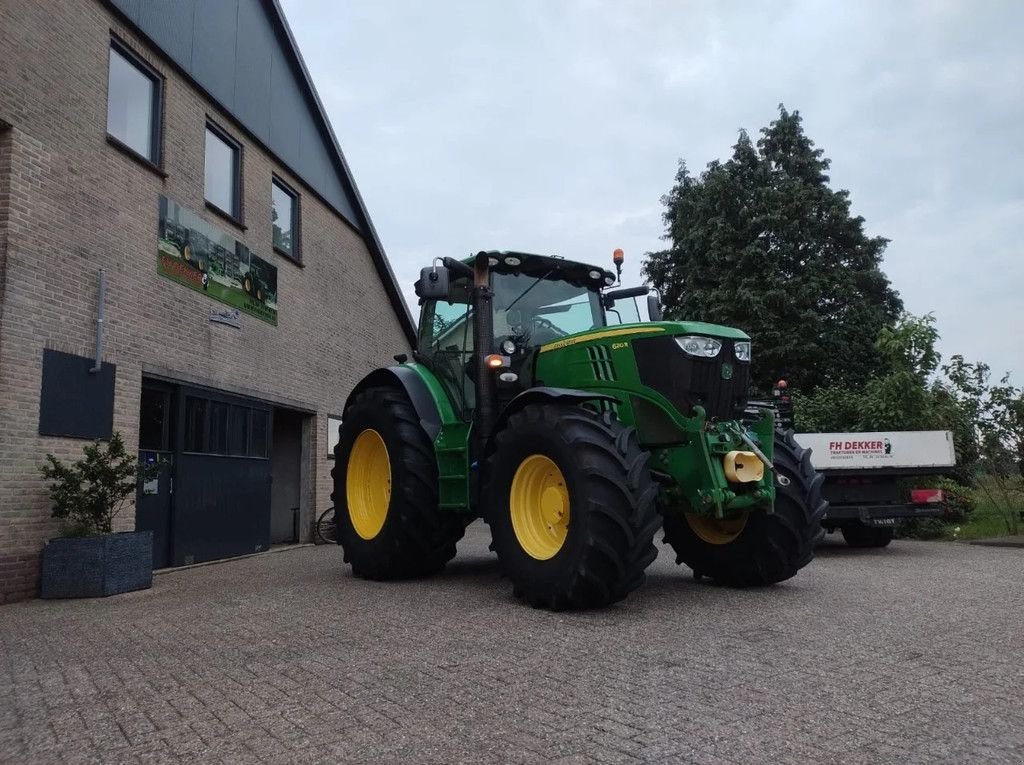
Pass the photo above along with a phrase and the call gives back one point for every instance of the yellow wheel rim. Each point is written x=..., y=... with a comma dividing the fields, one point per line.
x=539, y=504
x=368, y=484
x=717, y=531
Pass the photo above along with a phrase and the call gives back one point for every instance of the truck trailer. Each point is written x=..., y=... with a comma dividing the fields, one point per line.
x=863, y=474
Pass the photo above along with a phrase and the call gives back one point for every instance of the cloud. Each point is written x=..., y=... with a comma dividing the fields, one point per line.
x=556, y=127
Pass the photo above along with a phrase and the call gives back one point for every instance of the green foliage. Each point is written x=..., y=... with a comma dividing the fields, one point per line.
x=924, y=528
x=904, y=396
x=960, y=500
x=996, y=413
x=88, y=494
x=762, y=243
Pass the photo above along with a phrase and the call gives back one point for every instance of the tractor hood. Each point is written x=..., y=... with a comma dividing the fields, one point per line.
x=652, y=358
x=696, y=328
x=648, y=329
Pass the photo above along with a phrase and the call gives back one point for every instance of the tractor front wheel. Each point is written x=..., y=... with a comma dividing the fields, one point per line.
x=757, y=548
x=387, y=518
x=570, y=503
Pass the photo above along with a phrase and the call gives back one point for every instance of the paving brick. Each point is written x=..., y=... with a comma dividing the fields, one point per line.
x=874, y=657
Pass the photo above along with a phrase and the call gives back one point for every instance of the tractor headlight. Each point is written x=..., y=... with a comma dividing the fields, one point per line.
x=702, y=347
x=742, y=350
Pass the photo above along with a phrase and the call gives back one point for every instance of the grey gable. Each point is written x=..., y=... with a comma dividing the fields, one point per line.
x=242, y=53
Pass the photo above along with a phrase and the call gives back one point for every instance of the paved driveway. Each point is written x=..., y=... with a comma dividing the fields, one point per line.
x=910, y=654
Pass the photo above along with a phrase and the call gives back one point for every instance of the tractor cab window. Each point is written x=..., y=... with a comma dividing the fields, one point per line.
x=446, y=343
x=624, y=311
x=534, y=310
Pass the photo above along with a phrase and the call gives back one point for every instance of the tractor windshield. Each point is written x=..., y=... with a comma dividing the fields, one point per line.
x=534, y=310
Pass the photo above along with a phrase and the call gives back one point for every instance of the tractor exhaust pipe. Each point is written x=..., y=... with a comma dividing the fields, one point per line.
x=483, y=337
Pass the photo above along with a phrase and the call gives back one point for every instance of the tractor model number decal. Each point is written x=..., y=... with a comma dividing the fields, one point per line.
x=597, y=336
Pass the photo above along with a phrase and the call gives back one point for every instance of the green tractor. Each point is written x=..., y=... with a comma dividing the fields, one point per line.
x=575, y=438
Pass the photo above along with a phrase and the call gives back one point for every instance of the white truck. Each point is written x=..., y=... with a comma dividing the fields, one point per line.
x=862, y=473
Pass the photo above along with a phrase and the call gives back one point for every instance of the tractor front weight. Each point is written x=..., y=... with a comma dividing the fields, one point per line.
x=715, y=471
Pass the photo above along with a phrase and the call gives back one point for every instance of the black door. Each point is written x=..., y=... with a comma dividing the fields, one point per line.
x=157, y=423
x=222, y=477
x=153, y=506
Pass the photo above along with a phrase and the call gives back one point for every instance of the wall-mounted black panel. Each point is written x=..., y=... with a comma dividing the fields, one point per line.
x=252, y=72
x=237, y=52
x=129, y=8
x=75, y=402
x=171, y=25
x=213, y=49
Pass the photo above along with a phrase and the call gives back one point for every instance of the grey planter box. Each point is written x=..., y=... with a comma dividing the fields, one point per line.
x=93, y=567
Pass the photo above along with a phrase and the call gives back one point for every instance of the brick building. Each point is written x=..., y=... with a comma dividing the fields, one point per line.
x=169, y=167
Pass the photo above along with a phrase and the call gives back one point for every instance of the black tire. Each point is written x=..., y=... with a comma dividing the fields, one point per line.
x=326, y=533
x=771, y=547
x=867, y=536
x=612, y=518
x=417, y=537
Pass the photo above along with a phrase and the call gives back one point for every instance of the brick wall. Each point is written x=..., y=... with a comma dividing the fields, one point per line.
x=71, y=204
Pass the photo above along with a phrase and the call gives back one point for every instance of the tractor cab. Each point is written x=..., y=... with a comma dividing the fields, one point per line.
x=535, y=300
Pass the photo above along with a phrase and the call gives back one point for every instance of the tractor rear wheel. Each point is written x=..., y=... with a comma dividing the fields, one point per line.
x=387, y=518
x=757, y=548
x=570, y=502
x=867, y=536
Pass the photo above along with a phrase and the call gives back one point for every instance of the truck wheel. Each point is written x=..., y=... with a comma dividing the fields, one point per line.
x=570, y=503
x=867, y=536
x=757, y=548
x=385, y=488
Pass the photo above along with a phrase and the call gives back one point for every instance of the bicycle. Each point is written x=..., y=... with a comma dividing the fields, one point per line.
x=326, y=532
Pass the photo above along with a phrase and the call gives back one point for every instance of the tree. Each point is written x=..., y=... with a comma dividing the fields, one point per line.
x=996, y=413
x=762, y=243
x=906, y=395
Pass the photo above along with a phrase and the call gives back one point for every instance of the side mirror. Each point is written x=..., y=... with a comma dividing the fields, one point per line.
x=433, y=283
x=654, y=306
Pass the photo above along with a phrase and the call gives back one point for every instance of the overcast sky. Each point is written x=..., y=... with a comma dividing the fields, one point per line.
x=555, y=127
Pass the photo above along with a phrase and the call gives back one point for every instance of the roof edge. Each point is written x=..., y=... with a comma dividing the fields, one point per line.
x=374, y=244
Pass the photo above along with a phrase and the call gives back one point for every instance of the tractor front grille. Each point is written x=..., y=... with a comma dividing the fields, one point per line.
x=687, y=381
x=601, y=362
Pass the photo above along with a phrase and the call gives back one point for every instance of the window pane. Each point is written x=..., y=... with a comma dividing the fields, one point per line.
x=259, y=433
x=153, y=414
x=221, y=167
x=195, y=424
x=218, y=428
x=538, y=311
x=131, y=98
x=283, y=217
x=238, y=431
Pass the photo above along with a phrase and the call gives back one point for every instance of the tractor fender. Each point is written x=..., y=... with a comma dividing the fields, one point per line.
x=415, y=388
x=542, y=394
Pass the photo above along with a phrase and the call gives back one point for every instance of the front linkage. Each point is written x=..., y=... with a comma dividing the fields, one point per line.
x=720, y=471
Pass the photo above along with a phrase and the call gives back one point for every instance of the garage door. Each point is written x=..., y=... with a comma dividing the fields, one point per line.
x=222, y=477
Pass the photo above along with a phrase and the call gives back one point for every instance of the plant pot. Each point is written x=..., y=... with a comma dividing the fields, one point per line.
x=93, y=567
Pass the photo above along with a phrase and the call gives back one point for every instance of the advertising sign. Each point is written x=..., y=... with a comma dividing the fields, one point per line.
x=192, y=252
x=889, y=449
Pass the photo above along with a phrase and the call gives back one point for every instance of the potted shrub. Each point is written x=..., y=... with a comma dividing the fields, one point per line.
x=89, y=560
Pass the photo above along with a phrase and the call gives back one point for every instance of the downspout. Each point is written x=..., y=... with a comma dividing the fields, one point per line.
x=99, y=322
